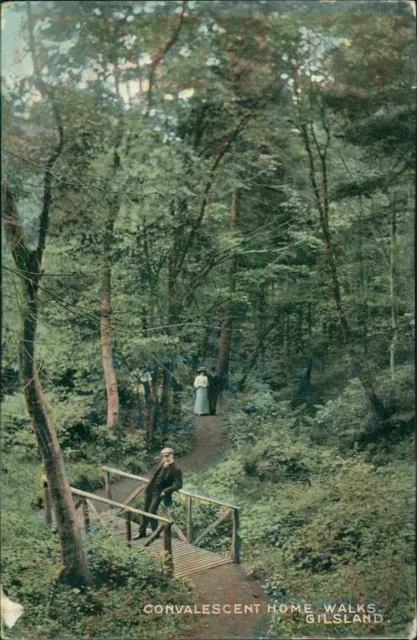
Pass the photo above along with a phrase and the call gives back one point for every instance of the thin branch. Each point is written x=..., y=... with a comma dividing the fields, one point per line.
x=206, y=190
x=156, y=59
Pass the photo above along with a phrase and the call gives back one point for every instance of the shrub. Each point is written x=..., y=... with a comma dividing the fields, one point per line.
x=124, y=579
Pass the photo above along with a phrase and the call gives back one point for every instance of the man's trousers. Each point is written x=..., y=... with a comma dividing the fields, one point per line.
x=151, y=505
x=212, y=398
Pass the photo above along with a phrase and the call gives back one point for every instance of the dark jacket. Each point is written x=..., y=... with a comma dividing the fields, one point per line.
x=214, y=383
x=173, y=482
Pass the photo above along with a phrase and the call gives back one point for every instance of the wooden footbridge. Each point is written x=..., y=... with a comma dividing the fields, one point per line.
x=181, y=552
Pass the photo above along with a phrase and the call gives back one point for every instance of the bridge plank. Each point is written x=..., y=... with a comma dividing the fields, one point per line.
x=187, y=558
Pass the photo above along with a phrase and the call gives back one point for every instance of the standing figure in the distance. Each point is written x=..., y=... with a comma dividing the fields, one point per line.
x=201, y=406
x=213, y=390
x=166, y=479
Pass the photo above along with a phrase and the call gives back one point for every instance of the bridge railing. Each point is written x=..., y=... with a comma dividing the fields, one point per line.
x=226, y=509
x=86, y=501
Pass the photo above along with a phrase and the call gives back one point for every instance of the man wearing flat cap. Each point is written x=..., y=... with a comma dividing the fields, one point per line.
x=166, y=479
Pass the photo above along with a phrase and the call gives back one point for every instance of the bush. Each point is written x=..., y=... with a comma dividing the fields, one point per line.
x=124, y=579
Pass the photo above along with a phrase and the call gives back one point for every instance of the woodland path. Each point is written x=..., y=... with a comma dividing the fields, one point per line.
x=228, y=584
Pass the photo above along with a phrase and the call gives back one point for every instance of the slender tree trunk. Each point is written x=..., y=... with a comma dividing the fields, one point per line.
x=287, y=334
x=227, y=322
x=73, y=556
x=154, y=405
x=29, y=265
x=174, y=315
x=393, y=293
x=322, y=207
x=362, y=285
x=299, y=345
x=109, y=371
x=259, y=348
x=166, y=395
x=106, y=336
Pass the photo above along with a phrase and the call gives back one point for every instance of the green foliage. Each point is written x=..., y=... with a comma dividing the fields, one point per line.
x=349, y=425
x=319, y=521
x=323, y=482
x=124, y=580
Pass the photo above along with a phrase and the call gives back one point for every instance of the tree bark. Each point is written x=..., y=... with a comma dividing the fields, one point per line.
x=29, y=268
x=109, y=371
x=259, y=348
x=322, y=206
x=165, y=403
x=393, y=293
x=154, y=405
x=105, y=334
x=227, y=321
x=29, y=265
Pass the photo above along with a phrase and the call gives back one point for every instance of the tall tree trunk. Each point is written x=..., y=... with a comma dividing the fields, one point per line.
x=29, y=265
x=174, y=315
x=105, y=333
x=73, y=556
x=166, y=395
x=259, y=348
x=322, y=206
x=153, y=413
x=109, y=371
x=393, y=293
x=362, y=285
x=227, y=321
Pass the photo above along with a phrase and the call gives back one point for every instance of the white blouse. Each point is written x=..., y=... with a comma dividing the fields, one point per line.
x=201, y=381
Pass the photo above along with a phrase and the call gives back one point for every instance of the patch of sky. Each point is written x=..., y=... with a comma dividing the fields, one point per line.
x=129, y=41
x=137, y=9
x=65, y=46
x=130, y=18
x=149, y=7
x=203, y=30
x=145, y=58
x=184, y=51
x=119, y=15
x=45, y=24
x=212, y=62
x=186, y=94
x=97, y=12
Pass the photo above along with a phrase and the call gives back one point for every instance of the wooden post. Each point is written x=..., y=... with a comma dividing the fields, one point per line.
x=128, y=527
x=47, y=505
x=86, y=515
x=107, y=485
x=235, y=551
x=189, y=519
x=168, y=547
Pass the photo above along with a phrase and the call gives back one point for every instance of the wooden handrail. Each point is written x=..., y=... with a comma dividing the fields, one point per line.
x=230, y=508
x=112, y=503
x=183, y=492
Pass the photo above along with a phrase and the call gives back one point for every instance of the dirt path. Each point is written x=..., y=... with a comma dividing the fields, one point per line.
x=225, y=585
x=206, y=452
x=230, y=585
x=207, y=449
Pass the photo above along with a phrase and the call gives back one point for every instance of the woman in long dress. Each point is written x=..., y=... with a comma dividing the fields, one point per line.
x=201, y=406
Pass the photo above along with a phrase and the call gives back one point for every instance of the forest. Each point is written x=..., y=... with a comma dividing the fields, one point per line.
x=209, y=184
